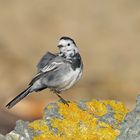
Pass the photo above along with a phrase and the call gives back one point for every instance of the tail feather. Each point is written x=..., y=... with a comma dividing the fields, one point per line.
x=18, y=98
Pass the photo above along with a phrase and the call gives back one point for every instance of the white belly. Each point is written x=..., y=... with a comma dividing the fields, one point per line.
x=70, y=79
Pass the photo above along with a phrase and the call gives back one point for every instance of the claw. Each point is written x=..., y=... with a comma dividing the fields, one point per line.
x=64, y=101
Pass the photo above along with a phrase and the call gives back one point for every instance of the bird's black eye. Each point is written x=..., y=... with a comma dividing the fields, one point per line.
x=68, y=44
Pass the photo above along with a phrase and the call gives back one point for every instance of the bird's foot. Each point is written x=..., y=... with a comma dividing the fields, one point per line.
x=61, y=99
x=64, y=101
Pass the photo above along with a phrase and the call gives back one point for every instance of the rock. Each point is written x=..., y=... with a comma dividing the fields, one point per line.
x=2, y=137
x=95, y=119
x=21, y=132
x=130, y=127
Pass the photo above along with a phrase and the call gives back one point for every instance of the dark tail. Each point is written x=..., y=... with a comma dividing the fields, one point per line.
x=18, y=98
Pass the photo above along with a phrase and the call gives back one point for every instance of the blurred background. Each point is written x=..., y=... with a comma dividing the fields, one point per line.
x=108, y=36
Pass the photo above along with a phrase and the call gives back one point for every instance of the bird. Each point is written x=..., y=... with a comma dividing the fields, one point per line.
x=55, y=71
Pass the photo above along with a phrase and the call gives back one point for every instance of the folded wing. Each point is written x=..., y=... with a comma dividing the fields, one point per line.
x=44, y=60
x=53, y=64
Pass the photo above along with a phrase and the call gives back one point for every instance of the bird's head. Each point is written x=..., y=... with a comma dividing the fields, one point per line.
x=67, y=47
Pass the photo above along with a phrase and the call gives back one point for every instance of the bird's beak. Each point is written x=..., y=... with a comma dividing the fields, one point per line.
x=60, y=46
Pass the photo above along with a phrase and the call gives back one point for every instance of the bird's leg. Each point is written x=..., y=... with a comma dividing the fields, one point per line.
x=62, y=99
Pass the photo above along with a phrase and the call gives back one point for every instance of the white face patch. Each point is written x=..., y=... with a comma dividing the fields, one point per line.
x=63, y=42
x=69, y=48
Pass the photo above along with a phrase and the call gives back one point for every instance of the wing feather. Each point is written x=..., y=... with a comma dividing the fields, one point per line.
x=44, y=60
x=50, y=66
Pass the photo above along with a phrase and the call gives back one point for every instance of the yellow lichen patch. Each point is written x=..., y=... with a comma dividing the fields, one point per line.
x=39, y=125
x=97, y=107
x=73, y=112
x=119, y=109
x=79, y=124
x=72, y=124
x=106, y=128
x=73, y=128
x=47, y=136
x=49, y=106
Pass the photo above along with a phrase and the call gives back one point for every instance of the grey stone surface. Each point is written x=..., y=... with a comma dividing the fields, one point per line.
x=109, y=117
x=50, y=113
x=130, y=127
x=21, y=132
x=2, y=137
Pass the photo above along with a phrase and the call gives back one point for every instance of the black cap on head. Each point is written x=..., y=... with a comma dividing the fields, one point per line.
x=67, y=38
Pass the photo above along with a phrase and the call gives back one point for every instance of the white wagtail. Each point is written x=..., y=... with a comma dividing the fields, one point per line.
x=58, y=72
